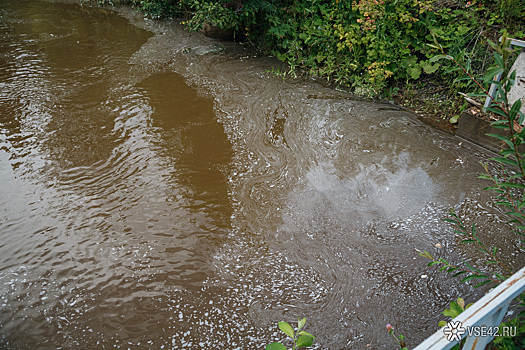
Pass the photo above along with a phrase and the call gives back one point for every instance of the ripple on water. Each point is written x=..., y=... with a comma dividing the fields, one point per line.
x=142, y=213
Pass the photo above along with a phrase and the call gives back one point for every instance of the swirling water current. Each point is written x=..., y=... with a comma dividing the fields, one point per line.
x=162, y=190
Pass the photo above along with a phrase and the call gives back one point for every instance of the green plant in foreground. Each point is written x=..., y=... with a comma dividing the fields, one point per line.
x=400, y=339
x=299, y=337
x=508, y=342
x=508, y=185
x=456, y=308
x=473, y=272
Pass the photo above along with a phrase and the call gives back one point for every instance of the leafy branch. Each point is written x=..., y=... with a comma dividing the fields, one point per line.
x=471, y=237
x=507, y=196
x=400, y=339
x=456, y=308
x=300, y=338
x=474, y=272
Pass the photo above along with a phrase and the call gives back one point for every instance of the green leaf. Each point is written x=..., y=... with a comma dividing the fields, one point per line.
x=494, y=250
x=491, y=73
x=515, y=108
x=500, y=277
x=301, y=323
x=442, y=324
x=505, y=161
x=499, y=61
x=414, y=72
x=305, y=333
x=425, y=254
x=438, y=57
x=482, y=94
x=286, y=328
x=507, y=152
x=498, y=111
x=511, y=184
x=484, y=177
x=472, y=277
x=454, y=310
x=459, y=273
x=502, y=122
x=454, y=306
x=482, y=283
x=430, y=68
x=449, y=313
x=519, y=215
x=499, y=87
x=452, y=69
x=494, y=46
x=304, y=340
x=461, y=79
x=502, y=138
x=471, y=267
x=275, y=346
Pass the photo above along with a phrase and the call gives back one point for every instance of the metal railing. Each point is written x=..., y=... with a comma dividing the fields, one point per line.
x=488, y=311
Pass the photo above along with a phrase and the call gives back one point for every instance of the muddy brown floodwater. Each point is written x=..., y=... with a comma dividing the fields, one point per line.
x=161, y=190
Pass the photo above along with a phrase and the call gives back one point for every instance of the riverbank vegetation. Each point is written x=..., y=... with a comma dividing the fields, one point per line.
x=378, y=48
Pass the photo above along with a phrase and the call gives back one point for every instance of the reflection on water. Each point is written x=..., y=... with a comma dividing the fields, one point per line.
x=159, y=193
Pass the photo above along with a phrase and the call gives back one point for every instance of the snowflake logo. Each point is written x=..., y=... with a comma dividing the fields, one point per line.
x=454, y=330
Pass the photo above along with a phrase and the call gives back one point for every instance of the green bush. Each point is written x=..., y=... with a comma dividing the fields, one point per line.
x=159, y=8
x=366, y=43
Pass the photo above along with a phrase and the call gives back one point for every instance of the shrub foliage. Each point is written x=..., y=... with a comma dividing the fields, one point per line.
x=353, y=42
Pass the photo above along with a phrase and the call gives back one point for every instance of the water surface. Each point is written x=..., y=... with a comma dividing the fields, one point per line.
x=159, y=189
